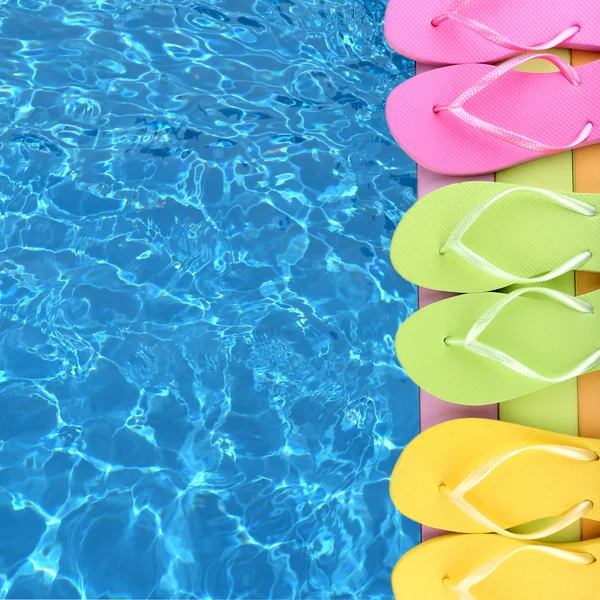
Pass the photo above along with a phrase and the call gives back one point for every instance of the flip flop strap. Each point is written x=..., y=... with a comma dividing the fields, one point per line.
x=456, y=108
x=472, y=344
x=493, y=36
x=457, y=496
x=456, y=245
x=463, y=589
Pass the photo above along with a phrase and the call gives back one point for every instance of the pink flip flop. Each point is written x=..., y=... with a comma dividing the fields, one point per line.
x=476, y=119
x=482, y=31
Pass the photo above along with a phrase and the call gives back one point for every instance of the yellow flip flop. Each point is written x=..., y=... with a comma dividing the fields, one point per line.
x=481, y=476
x=490, y=567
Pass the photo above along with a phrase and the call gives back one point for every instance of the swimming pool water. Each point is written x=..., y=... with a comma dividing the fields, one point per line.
x=198, y=391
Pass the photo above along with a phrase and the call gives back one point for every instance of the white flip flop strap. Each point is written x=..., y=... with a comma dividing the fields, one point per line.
x=493, y=36
x=457, y=496
x=456, y=245
x=463, y=589
x=457, y=107
x=472, y=344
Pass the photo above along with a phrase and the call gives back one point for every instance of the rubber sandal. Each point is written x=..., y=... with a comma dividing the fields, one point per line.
x=489, y=567
x=483, y=476
x=475, y=119
x=476, y=31
x=481, y=236
x=485, y=348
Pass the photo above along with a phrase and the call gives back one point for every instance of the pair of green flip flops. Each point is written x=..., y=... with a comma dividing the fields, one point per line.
x=486, y=347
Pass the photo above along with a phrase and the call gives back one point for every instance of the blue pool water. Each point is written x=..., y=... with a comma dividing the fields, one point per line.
x=198, y=392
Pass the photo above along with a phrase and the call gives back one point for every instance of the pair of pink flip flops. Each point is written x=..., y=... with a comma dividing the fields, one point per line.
x=471, y=119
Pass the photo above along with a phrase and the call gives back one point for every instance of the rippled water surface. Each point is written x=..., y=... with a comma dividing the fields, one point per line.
x=198, y=392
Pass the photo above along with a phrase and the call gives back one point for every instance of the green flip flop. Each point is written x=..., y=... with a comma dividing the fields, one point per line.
x=481, y=236
x=485, y=348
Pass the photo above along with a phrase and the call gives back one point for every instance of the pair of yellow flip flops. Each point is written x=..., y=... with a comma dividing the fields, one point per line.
x=484, y=478
x=485, y=347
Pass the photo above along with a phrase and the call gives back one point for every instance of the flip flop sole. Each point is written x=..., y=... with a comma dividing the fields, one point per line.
x=424, y=572
x=524, y=234
x=528, y=487
x=547, y=337
x=540, y=106
x=409, y=30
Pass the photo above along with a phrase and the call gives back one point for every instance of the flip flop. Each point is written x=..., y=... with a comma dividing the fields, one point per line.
x=476, y=31
x=489, y=567
x=475, y=119
x=483, y=476
x=481, y=236
x=485, y=348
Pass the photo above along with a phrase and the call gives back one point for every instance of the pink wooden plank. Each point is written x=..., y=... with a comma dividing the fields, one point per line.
x=434, y=410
